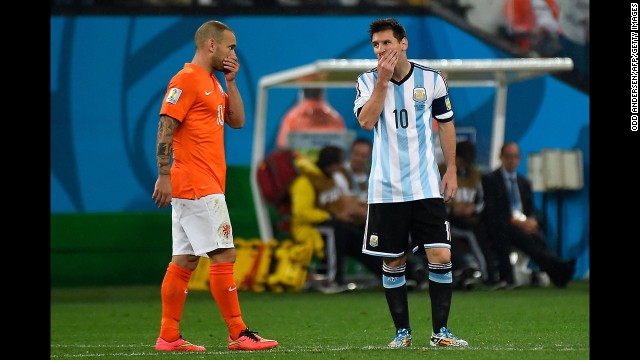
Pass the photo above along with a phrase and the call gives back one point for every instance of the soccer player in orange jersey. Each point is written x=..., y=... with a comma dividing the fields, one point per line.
x=191, y=129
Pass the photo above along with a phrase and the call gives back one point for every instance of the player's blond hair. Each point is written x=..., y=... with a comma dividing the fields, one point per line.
x=211, y=29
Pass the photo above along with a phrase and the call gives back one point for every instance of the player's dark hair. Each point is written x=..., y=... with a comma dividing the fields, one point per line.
x=466, y=150
x=329, y=155
x=361, y=141
x=388, y=24
x=313, y=93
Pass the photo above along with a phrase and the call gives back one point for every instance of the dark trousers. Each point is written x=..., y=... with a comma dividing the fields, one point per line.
x=348, y=241
x=534, y=245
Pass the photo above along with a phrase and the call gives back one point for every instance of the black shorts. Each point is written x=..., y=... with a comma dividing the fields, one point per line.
x=394, y=229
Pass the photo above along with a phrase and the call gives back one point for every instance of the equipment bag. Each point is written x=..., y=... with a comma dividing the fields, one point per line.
x=275, y=174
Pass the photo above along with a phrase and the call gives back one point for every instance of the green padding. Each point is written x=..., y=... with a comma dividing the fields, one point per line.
x=114, y=232
x=240, y=202
x=132, y=248
x=109, y=268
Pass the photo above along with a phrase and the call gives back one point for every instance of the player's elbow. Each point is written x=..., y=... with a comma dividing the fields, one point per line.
x=366, y=125
x=367, y=120
x=235, y=123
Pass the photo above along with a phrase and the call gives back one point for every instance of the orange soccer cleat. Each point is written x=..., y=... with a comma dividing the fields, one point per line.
x=178, y=345
x=250, y=341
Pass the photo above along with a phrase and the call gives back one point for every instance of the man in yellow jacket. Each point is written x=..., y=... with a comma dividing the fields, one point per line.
x=319, y=204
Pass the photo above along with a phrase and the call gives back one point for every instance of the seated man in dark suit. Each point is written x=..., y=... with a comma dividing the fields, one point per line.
x=510, y=219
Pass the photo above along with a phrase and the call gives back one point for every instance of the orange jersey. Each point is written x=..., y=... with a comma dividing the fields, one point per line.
x=196, y=99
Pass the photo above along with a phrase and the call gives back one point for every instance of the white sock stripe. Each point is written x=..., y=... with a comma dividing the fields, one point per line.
x=440, y=266
x=394, y=270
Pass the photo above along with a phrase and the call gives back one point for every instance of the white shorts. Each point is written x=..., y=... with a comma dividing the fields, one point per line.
x=201, y=225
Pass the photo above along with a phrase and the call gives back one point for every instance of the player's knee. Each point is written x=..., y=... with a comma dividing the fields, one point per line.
x=438, y=255
x=189, y=262
x=222, y=255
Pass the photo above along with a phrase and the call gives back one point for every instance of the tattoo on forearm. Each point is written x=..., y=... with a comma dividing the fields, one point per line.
x=163, y=157
x=166, y=126
x=164, y=144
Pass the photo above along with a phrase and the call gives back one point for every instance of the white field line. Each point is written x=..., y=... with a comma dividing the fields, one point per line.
x=138, y=350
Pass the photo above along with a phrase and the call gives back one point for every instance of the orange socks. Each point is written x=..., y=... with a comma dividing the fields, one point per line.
x=223, y=289
x=173, y=295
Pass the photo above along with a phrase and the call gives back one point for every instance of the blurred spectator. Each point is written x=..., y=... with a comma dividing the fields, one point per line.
x=546, y=38
x=533, y=25
x=312, y=113
x=316, y=200
x=574, y=19
x=354, y=180
x=510, y=219
x=467, y=232
x=483, y=14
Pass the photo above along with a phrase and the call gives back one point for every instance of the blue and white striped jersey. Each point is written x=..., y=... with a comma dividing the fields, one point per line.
x=403, y=163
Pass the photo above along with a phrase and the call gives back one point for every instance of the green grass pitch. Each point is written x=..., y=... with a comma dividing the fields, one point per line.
x=123, y=323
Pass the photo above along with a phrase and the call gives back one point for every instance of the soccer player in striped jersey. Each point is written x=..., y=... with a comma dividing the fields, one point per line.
x=406, y=198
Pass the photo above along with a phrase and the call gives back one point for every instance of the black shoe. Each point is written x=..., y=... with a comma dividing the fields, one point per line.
x=513, y=285
x=565, y=274
x=495, y=285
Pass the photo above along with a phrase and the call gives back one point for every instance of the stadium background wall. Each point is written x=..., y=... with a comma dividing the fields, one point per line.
x=109, y=73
